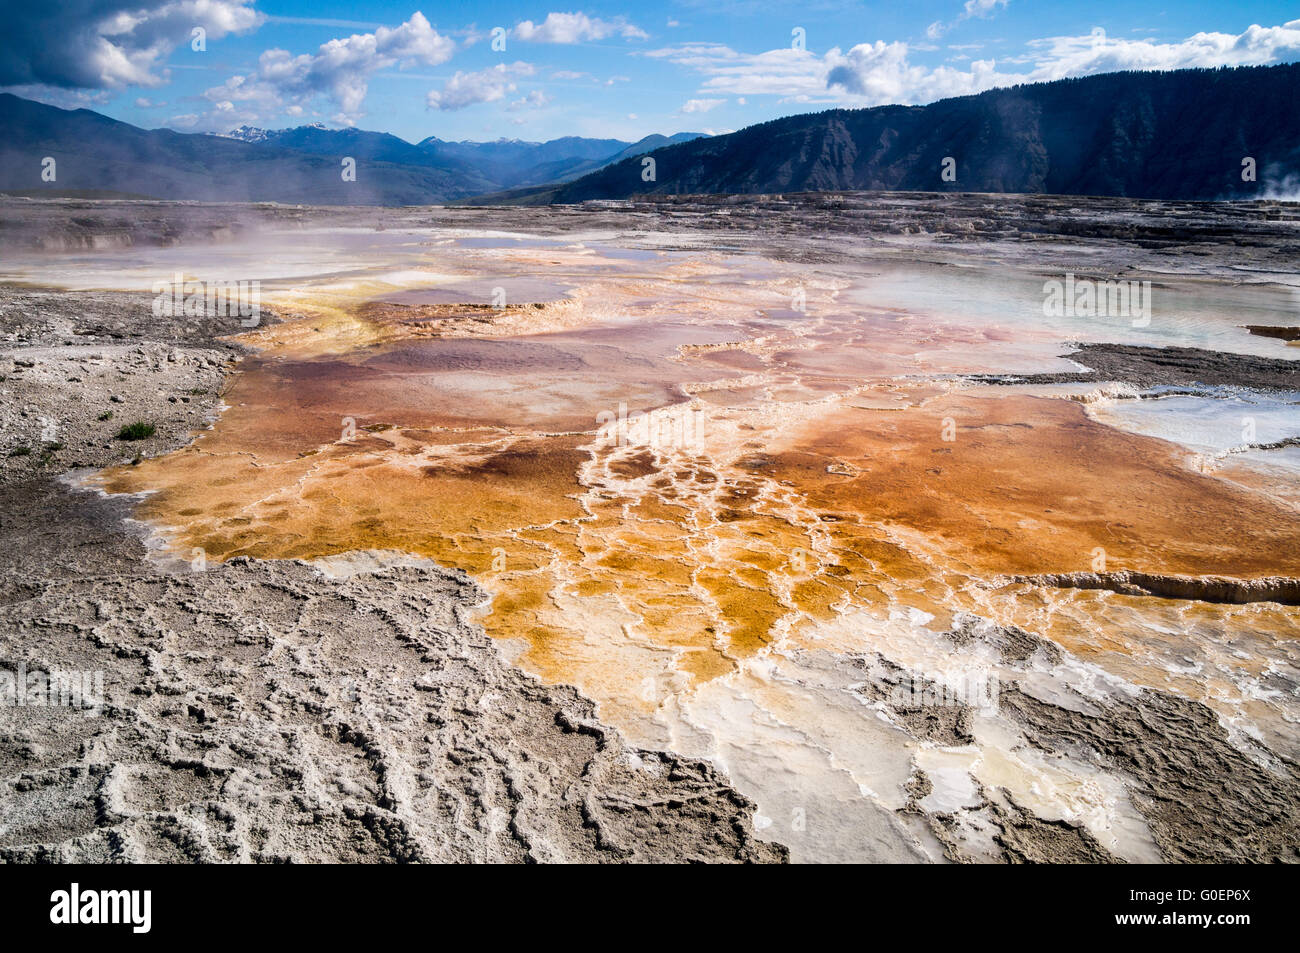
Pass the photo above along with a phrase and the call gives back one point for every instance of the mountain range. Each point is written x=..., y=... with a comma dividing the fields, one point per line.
x=93, y=153
x=1183, y=134
x=503, y=164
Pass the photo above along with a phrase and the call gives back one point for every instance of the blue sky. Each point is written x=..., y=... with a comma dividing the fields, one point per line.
x=601, y=69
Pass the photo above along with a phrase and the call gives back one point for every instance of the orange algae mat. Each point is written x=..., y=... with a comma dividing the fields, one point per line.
x=785, y=492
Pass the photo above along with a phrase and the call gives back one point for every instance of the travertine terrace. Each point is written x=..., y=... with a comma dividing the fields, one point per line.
x=793, y=525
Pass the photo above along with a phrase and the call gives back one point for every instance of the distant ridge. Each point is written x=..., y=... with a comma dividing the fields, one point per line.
x=256, y=134
x=97, y=155
x=1163, y=135
x=1171, y=135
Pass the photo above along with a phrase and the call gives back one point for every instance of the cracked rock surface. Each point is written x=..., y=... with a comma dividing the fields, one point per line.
x=267, y=711
x=262, y=711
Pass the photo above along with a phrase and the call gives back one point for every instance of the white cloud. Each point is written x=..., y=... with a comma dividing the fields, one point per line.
x=1060, y=56
x=876, y=73
x=535, y=99
x=974, y=9
x=575, y=28
x=701, y=105
x=781, y=72
x=483, y=86
x=339, y=69
x=109, y=44
x=880, y=73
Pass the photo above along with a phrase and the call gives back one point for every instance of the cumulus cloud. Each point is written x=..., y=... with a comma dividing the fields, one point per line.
x=876, y=73
x=108, y=44
x=483, y=86
x=1060, y=56
x=339, y=69
x=535, y=99
x=880, y=73
x=701, y=105
x=575, y=28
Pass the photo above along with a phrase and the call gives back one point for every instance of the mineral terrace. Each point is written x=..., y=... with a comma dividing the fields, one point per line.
x=759, y=529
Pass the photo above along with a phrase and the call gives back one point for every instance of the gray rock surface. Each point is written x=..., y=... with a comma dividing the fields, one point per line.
x=266, y=711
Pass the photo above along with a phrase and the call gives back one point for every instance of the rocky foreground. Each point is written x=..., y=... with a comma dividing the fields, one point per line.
x=347, y=710
x=269, y=711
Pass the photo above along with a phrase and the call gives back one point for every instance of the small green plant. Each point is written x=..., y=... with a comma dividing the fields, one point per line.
x=136, y=431
x=106, y=415
x=20, y=451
